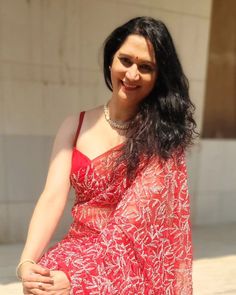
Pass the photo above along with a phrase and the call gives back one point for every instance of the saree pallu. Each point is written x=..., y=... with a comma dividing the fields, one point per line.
x=127, y=237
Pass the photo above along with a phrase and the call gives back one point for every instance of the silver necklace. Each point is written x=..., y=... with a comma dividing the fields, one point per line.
x=115, y=124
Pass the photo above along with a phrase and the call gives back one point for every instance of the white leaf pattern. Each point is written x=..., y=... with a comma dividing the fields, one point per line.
x=127, y=237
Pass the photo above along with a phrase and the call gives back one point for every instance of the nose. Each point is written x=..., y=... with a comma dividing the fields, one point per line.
x=132, y=73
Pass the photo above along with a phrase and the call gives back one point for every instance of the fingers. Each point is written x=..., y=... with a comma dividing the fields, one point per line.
x=45, y=292
x=41, y=270
x=56, y=284
x=37, y=285
x=32, y=291
x=37, y=288
x=33, y=277
x=30, y=286
x=38, y=292
x=27, y=272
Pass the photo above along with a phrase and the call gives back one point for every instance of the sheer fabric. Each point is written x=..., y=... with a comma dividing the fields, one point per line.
x=127, y=237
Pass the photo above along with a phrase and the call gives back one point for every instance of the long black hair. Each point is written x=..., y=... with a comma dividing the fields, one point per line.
x=165, y=121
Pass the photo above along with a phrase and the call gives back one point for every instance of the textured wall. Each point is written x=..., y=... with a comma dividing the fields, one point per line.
x=49, y=68
x=220, y=105
x=214, y=191
x=213, y=161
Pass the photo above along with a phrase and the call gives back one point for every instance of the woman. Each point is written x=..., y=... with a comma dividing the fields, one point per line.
x=131, y=231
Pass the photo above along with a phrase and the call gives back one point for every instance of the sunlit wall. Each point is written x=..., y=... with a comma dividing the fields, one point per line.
x=50, y=67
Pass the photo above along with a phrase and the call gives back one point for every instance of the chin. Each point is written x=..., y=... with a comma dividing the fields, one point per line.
x=126, y=98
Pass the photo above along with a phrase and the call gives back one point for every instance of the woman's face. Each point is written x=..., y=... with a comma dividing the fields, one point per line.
x=133, y=70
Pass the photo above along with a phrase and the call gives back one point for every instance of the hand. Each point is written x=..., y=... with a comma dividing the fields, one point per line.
x=33, y=276
x=61, y=285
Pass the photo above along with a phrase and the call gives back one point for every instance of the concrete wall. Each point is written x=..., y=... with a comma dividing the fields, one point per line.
x=213, y=164
x=213, y=172
x=220, y=103
x=49, y=68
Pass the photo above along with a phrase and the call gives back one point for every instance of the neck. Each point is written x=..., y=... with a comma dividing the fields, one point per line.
x=122, y=112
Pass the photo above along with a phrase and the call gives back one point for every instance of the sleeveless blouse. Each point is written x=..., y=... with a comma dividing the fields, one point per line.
x=127, y=237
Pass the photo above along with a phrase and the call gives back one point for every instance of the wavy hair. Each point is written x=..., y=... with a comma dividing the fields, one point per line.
x=165, y=121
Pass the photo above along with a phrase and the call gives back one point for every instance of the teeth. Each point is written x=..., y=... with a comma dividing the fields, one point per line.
x=129, y=86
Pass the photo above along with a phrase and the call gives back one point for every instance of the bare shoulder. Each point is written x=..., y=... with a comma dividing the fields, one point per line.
x=93, y=114
x=67, y=130
x=70, y=124
x=94, y=111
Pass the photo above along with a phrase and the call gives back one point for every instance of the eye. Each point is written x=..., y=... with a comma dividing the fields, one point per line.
x=125, y=61
x=145, y=68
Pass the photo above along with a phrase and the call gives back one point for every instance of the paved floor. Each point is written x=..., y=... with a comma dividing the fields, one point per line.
x=214, y=269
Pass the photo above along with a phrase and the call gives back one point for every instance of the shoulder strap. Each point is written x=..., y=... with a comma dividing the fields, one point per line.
x=81, y=117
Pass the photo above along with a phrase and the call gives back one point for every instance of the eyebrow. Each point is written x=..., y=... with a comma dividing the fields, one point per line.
x=142, y=60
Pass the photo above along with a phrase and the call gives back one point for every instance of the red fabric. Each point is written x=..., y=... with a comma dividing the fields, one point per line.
x=81, y=118
x=127, y=237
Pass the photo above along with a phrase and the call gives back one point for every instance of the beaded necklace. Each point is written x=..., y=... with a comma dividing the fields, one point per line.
x=115, y=124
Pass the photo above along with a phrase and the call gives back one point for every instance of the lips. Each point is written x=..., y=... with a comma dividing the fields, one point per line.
x=128, y=86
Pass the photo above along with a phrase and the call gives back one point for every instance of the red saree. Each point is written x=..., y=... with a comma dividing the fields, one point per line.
x=127, y=237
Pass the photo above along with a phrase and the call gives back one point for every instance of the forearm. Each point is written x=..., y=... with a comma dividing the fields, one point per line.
x=43, y=223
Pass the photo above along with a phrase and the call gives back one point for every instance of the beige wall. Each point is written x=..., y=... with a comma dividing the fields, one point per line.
x=49, y=68
x=213, y=161
x=220, y=104
x=214, y=188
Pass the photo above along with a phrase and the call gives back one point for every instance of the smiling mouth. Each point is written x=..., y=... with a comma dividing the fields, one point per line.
x=129, y=86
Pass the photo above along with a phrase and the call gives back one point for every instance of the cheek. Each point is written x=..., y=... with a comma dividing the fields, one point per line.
x=117, y=74
x=114, y=77
x=117, y=71
x=149, y=83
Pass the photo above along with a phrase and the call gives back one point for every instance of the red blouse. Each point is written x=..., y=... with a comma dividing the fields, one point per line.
x=127, y=237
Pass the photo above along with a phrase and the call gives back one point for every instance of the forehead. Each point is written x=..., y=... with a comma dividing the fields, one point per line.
x=138, y=47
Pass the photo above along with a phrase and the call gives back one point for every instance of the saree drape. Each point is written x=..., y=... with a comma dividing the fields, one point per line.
x=127, y=237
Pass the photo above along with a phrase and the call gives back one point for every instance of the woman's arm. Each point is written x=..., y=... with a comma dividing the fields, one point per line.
x=52, y=201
